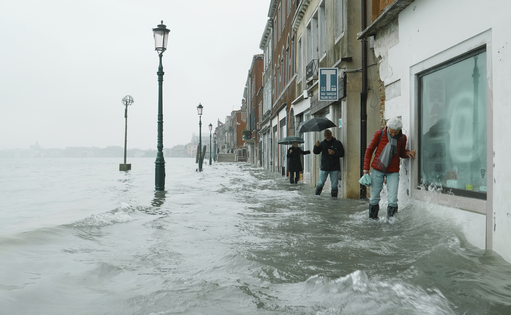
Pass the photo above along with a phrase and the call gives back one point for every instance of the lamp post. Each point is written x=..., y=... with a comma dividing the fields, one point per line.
x=127, y=101
x=199, y=112
x=161, y=34
x=215, y=141
x=210, y=128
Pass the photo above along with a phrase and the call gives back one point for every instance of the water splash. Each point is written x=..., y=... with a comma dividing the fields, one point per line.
x=120, y=215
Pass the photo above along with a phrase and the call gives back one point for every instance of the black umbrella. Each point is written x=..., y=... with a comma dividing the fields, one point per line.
x=316, y=124
x=290, y=140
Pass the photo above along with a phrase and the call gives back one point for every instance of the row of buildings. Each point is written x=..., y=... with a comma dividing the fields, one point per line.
x=441, y=66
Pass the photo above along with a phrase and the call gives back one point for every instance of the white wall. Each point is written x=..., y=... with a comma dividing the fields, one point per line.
x=301, y=106
x=427, y=32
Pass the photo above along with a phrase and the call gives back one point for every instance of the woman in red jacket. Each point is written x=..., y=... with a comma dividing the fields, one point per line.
x=390, y=145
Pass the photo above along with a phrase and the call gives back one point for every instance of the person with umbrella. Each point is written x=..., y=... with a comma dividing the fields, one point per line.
x=294, y=154
x=331, y=150
x=390, y=145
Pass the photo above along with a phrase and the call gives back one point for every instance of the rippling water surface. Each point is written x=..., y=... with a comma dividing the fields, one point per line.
x=79, y=237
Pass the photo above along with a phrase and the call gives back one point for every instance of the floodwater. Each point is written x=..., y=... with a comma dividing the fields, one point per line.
x=79, y=237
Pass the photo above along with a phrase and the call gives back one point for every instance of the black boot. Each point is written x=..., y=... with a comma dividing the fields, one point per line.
x=373, y=211
x=334, y=193
x=318, y=190
x=391, y=211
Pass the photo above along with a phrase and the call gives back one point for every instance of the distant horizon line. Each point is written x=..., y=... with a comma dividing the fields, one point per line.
x=91, y=147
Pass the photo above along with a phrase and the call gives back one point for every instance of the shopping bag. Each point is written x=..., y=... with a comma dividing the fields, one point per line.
x=365, y=180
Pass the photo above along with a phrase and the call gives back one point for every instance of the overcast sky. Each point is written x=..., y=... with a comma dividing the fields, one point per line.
x=65, y=66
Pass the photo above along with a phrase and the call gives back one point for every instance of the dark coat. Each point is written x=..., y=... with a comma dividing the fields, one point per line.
x=295, y=162
x=330, y=162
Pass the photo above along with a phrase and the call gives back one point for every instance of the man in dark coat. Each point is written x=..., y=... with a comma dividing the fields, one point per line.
x=331, y=150
x=294, y=154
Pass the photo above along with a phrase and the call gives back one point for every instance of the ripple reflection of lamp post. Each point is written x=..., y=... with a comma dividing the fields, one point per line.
x=210, y=128
x=161, y=35
x=199, y=112
x=127, y=101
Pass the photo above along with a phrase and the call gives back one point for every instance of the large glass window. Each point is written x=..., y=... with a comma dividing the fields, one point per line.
x=308, y=45
x=322, y=29
x=299, y=61
x=315, y=37
x=339, y=18
x=452, y=122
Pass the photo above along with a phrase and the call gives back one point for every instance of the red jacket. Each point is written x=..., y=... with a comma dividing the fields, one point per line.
x=394, y=163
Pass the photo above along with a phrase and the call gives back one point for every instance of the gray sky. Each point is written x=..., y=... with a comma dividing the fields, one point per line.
x=65, y=66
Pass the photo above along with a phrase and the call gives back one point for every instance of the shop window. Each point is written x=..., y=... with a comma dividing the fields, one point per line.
x=452, y=124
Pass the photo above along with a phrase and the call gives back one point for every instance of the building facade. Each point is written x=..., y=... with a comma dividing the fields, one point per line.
x=253, y=96
x=264, y=128
x=281, y=14
x=238, y=123
x=299, y=38
x=448, y=83
x=326, y=37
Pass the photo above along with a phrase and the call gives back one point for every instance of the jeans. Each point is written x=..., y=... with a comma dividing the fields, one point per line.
x=377, y=179
x=333, y=179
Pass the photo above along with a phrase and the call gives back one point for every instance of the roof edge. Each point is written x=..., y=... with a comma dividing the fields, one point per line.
x=388, y=15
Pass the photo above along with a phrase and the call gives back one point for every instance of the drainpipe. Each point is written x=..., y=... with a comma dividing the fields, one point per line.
x=363, y=100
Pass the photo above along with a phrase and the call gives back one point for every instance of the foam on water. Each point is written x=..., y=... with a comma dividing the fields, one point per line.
x=357, y=294
x=121, y=215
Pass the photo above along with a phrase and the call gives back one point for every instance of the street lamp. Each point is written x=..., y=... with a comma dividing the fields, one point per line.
x=199, y=112
x=210, y=128
x=161, y=34
x=215, y=141
x=127, y=101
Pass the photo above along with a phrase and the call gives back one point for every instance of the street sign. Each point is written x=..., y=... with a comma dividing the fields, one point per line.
x=328, y=82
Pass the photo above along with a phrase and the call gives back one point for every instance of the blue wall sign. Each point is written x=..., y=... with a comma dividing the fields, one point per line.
x=328, y=82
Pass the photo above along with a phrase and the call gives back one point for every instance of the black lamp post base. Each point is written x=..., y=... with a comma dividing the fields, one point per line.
x=159, y=167
x=124, y=167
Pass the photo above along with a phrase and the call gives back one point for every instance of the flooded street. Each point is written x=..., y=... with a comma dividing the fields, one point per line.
x=233, y=239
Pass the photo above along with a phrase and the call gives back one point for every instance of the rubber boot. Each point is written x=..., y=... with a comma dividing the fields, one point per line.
x=318, y=190
x=391, y=211
x=334, y=193
x=373, y=211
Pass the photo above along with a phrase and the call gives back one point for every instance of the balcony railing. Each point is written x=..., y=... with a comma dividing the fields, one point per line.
x=311, y=71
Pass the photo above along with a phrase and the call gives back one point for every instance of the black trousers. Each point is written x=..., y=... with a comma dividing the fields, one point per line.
x=294, y=177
